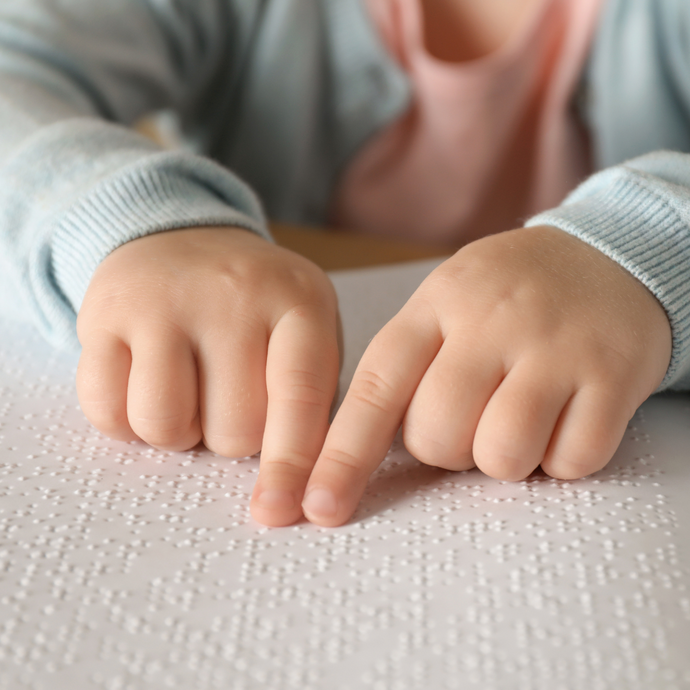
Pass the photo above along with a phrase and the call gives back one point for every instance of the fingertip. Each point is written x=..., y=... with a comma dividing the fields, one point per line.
x=434, y=453
x=586, y=437
x=275, y=507
x=322, y=507
x=110, y=420
x=278, y=493
x=320, y=503
x=123, y=433
x=234, y=445
x=504, y=468
x=175, y=435
x=574, y=465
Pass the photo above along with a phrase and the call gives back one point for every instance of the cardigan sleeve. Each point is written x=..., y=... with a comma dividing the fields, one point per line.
x=75, y=181
x=638, y=214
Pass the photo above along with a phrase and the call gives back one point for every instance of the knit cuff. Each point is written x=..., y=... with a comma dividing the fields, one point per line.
x=169, y=190
x=94, y=187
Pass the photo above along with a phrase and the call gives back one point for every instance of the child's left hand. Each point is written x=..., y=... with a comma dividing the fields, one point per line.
x=526, y=348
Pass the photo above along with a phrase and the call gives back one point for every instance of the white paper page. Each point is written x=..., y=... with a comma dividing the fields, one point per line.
x=123, y=567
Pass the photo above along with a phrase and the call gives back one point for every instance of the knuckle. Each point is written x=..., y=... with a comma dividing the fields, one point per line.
x=310, y=285
x=370, y=389
x=472, y=265
x=234, y=286
x=233, y=278
x=305, y=388
x=610, y=361
x=292, y=465
x=305, y=279
x=346, y=462
x=297, y=282
x=94, y=324
x=617, y=403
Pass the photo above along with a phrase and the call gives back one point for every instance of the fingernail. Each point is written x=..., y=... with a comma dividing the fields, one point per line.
x=276, y=499
x=320, y=503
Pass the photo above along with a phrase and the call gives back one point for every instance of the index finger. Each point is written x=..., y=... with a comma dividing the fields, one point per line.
x=370, y=416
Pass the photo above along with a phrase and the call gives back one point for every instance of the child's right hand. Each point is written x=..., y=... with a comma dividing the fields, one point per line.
x=526, y=348
x=214, y=334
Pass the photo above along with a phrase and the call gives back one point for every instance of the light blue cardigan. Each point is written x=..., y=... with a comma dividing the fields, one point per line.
x=283, y=93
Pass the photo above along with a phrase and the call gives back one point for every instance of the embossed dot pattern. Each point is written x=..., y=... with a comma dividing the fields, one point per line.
x=123, y=567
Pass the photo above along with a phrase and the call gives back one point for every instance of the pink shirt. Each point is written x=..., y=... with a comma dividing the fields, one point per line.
x=485, y=143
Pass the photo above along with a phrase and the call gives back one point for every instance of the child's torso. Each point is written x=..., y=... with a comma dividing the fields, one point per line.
x=490, y=137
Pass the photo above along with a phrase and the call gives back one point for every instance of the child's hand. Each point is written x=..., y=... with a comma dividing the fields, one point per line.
x=214, y=334
x=526, y=348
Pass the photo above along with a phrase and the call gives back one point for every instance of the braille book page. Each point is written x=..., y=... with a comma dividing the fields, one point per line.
x=126, y=568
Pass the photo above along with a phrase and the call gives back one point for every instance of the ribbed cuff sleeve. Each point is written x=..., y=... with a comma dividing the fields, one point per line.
x=167, y=191
x=85, y=188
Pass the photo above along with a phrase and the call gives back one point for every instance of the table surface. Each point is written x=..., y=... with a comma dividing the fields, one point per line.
x=336, y=250
x=127, y=568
